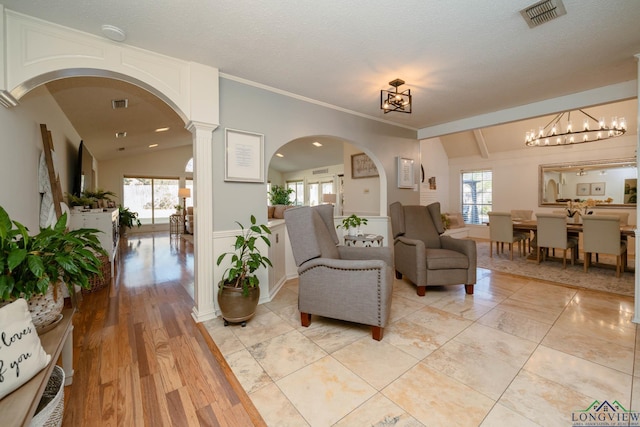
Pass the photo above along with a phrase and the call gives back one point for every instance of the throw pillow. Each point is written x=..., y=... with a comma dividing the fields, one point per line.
x=21, y=353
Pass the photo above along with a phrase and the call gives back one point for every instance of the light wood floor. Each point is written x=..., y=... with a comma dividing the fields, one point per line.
x=140, y=359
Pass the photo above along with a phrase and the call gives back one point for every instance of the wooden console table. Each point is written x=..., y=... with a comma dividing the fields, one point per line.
x=18, y=407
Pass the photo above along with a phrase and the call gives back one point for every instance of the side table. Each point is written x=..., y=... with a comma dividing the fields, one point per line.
x=367, y=240
x=176, y=224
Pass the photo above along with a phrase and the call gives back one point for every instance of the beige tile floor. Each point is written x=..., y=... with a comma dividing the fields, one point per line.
x=519, y=352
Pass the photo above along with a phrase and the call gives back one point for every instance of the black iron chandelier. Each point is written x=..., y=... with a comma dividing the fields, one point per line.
x=392, y=100
x=564, y=131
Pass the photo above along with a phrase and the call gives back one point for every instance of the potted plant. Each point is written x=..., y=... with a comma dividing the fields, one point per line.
x=34, y=266
x=279, y=195
x=127, y=219
x=352, y=224
x=101, y=197
x=178, y=209
x=79, y=201
x=239, y=290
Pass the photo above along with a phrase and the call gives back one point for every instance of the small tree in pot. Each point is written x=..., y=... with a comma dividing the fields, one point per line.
x=239, y=290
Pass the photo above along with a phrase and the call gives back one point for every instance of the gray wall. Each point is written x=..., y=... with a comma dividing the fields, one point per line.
x=282, y=119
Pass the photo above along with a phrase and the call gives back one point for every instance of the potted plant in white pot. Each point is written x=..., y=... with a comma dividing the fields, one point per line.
x=34, y=267
x=239, y=290
x=352, y=224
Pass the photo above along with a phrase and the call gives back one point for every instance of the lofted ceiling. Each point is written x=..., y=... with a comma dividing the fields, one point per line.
x=459, y=58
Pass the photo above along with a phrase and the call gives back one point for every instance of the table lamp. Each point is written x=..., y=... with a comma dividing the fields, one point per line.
x=184, y=193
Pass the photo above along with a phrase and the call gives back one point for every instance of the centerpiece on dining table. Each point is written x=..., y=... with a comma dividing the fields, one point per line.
x=577, y=209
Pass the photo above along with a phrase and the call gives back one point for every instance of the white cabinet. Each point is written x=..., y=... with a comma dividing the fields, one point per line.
x=106, y=221
x=278, y=236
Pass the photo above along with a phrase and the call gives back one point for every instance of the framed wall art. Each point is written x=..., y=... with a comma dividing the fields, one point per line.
x=362, y=166
x=597, y=188
x=244, y=156
x=583, y=189
x=405, y=173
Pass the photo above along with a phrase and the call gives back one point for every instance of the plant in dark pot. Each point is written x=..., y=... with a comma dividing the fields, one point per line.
x=127, y=219
x=239, y=290
x=35, y=267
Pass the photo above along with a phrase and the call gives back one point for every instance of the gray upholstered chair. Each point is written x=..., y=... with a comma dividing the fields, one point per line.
x=501, y=232
x=425, y=257
x=340, y=282
x=551, y=233
x=601, y=235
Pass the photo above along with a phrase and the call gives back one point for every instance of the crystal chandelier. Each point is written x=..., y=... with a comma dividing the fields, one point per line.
x=562, y=131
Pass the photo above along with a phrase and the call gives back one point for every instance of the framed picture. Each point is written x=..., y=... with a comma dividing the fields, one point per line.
x=405, y=173
x=362, y=166
x=597, y=189
x=583, y=189
x=244, y=156
x=630, y=190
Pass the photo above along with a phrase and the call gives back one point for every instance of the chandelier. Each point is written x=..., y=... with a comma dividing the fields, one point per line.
x=564, y=131
x=392, y=100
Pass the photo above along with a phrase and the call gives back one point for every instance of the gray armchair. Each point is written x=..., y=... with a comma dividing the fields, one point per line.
x=339, y=282
x=424, y=256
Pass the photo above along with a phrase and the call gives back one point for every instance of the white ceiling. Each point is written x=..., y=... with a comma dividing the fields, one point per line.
x=459, y=58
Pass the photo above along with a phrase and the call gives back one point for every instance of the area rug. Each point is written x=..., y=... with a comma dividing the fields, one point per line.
x=601, y=279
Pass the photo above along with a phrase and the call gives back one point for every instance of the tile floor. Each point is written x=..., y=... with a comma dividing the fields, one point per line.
x=519, y=352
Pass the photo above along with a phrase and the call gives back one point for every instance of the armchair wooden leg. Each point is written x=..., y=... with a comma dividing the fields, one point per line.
x=422, y=290
x=377, y=332
x=305, y=319
x=468, y=289
x=398, y=275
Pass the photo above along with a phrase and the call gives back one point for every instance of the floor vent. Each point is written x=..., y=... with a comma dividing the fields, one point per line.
x=119, y=103
x=543, y=11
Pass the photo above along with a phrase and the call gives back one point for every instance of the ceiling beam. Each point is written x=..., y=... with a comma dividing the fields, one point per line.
x=482, y=145
x=598, y=96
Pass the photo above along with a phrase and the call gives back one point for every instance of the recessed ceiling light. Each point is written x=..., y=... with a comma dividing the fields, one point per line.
x=113, y=33
x=317, y=144
x=153, y=145
x=162, y=129
x=279, y=155
x=121, y=134
x=119, y=103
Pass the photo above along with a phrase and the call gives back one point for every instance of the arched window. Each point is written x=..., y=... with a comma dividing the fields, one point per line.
x=189, y=167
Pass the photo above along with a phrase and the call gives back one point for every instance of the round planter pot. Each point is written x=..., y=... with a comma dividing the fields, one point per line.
x=235, y=307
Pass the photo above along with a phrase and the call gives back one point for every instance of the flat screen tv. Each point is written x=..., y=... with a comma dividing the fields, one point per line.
x=84, y=171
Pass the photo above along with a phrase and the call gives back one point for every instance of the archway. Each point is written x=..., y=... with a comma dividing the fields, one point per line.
x=190, y=89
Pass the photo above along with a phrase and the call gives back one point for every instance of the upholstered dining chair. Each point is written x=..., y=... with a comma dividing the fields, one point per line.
x=521, y=214
x=601, y=235
x=501, y=232
x=426, y=257
x=552, y=233
x=340, y=282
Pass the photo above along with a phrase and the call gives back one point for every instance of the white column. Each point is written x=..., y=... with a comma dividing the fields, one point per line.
x=204, y=288
x=636, y=310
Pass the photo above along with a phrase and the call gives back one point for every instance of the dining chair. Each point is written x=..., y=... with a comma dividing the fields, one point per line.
x=601, y=235
x=501, y=232
x=521, y=214
x=551, y=233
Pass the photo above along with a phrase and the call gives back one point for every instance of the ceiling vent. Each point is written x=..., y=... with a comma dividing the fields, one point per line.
x=320, y=171
x=119, y=103
x=121, y=134
x=543, y=11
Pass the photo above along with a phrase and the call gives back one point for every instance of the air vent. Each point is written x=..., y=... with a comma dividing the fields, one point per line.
x=543, y=11
x=119, y=103
x=320, y=171
x=121, y=149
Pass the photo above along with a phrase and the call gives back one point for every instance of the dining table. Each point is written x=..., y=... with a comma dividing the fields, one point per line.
x=573, y=229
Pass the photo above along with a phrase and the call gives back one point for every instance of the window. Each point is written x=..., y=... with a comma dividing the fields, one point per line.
x=476, y=196
x=313, y=193
x=298, y=192
x=153, y=198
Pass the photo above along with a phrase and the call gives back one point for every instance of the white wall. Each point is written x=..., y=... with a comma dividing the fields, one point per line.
x=21, y=145
x=515, y=173
x=436, y=164
x=361, y=195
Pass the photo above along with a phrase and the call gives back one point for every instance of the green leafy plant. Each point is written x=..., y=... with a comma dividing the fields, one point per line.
x=279, y=195
x=30, y=264
x=352, y=221
x=246, y=258
x=79, y=200
x=127, y=218
x=99, y=194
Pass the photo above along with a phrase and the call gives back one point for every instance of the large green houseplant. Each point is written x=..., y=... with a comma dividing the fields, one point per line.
x=279, y=195
x=127, y=219
x=239, y=290
x=33, y=265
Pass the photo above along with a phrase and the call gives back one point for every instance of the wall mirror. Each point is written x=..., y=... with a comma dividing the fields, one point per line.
x=612, y=183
